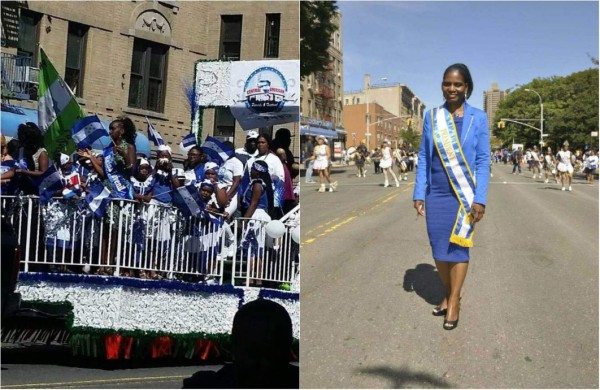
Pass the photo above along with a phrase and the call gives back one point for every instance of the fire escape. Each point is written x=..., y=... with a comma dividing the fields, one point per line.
x=19, y=77
x=324, y=95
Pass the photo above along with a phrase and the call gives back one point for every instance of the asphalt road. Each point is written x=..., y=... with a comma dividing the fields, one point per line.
x=46, y=367
x=529, y=315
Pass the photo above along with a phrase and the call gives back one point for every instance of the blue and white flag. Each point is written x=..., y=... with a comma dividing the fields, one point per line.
x=88, y=130
x=121, y=188
x=188, y=142
x=216, y=150
x=188, y=201
x=50, y=182
x=98, y=198
x=153, y=135
x=278, y=191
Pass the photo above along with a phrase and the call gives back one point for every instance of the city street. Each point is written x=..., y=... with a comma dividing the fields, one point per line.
x=529, y=314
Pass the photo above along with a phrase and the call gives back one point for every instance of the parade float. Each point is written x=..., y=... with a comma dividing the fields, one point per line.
x=121, y=318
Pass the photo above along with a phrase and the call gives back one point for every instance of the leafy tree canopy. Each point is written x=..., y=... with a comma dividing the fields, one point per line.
x=316, y=26
x=411, y=136
x=570, y=111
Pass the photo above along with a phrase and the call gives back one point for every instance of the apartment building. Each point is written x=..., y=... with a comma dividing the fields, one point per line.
x=397, y=101
x=137, y=58
x=321, y=103
x=491, y=100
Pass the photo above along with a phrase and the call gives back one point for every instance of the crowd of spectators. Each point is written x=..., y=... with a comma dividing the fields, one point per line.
x=255, y=182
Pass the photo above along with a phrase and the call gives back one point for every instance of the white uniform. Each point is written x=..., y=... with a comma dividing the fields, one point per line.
x=321, y=161
x=386, y=158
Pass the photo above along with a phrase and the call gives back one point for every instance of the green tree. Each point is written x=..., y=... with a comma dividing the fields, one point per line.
x=316, y=26
x=570, y=110
x=411, y=136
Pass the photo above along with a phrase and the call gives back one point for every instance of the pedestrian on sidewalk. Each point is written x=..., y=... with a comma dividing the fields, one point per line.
x=321, y=156
x=516, y=157
x=386, y=163
x=453, y=200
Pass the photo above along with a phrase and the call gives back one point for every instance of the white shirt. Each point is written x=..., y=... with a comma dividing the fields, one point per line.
x=231, y=168
x=274, y=163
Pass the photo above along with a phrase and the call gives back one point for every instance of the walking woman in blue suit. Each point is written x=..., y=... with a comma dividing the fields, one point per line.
x=451, y=183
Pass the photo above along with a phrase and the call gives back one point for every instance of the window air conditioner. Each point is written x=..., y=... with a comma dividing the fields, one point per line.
x=26, y=74
x=309, y=86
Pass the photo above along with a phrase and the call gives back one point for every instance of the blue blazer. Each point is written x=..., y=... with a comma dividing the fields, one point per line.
x=475, y=141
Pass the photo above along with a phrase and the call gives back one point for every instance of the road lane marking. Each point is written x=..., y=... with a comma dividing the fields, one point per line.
x=352, y=215
x=95, y=381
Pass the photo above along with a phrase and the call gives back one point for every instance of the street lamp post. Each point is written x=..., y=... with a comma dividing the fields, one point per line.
x=541, y=118
x=368, y=133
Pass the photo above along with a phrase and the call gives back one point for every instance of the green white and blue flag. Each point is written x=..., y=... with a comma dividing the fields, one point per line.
x=58, y=110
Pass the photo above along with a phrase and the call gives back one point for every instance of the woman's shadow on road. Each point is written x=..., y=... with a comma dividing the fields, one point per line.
x=425, y=281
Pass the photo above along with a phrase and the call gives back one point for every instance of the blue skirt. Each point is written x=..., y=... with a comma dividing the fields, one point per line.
x=441, y=207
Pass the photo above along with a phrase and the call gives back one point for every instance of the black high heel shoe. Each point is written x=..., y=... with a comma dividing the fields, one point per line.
x=449, y=325
x=439, y=311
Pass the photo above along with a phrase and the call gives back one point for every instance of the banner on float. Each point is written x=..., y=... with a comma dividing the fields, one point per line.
x=265, y=93
x=259, y=93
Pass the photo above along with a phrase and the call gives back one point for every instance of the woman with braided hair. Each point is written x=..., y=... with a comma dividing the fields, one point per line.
x=257, y=204
x=122, y=132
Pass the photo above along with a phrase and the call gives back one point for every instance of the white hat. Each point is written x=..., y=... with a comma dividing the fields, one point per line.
x=143, y=161
x=252, y=134
x=162, y=148
x=64, y=159
x=210, y=165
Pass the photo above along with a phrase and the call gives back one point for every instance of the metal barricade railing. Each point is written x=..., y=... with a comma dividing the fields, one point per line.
x=131, y=238
x=261, y=258
x=134, y=238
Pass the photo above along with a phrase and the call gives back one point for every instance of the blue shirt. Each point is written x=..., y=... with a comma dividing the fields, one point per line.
x=162, y=187
x=263, y=202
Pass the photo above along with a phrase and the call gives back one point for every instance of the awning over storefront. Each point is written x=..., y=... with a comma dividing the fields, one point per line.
x=315, y=131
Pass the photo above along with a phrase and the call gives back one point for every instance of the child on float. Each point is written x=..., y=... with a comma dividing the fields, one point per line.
x=257, y=205
x=60, y=222
x=208, y=241
x=143, y=183
x=161, y=216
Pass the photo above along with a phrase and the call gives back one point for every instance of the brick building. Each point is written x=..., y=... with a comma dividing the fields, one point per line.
x=395, y=99
x=382, y=125
x=137, y=57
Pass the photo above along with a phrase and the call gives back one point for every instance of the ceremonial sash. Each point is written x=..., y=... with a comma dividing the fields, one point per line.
x=448, y=145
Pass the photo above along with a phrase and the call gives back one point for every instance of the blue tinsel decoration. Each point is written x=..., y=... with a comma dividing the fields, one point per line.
x=277, y=294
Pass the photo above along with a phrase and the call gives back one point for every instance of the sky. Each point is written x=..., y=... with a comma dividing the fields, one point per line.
x=508, y=43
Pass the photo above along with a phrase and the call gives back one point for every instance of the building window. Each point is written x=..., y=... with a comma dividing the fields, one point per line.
x=272, y=36
x=148, y=75
x=224, y=122
x=76, y=41
x=28, y=35
x=231, y=37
